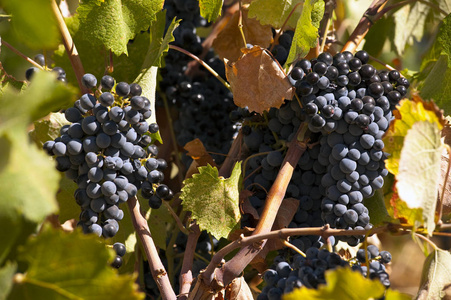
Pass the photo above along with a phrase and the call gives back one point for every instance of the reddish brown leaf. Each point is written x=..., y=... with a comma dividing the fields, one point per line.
x=229, y=41
x=258, y=81
x=246, y=206
x=198, y=152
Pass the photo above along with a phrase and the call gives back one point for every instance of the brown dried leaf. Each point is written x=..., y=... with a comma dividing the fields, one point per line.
x=246, y=206
x=238, y=289
x=258, y=81
x=246, y=231
x=229, y=41
x=198, y=152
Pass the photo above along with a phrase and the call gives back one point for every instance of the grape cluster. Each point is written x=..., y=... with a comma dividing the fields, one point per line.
x=107, y=151
x=308, y=271
x=347, y=105
x=201, y=103
x=40, y=59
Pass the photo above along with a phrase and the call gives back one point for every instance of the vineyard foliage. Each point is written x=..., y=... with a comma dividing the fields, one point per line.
x=45, y=255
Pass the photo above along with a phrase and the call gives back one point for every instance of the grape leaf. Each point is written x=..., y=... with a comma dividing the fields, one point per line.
x=68, y=208
x=212, y=200
x=113, y=23
x=73, y=265
x=436, y=275
x=306, y=31
x=258, y=81
x=33, y=22
x=341, y=283
x=415, y=148
x=210, y=9
x=229, y=41
x=376, y=207
x=409, y=24
x=7, y=80
x=275, y=12
x=48, y=128
x=159, y=41
x=6, y=279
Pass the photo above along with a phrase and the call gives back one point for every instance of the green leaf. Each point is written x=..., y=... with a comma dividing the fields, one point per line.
x=158, y=44
x=212, y=200
x=8, y=80
x=73, y=265
x=436, y=275
x=275, y=12
x=6, y=279
x=33, y=22
x=409, y=24
x=444, y=38
x=376, y=207
x=306, y=31
x=419, y=170
x=210, y=9
x=341, y=283
x=68, y=208
x=112, y=23
x=48, y=129
x=158, y=220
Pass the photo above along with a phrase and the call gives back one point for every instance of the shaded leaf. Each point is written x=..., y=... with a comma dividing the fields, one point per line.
x=229, y=41
x=68, y=208
x=212, y=200
x=246, y=205
x=306, y=31
x=113, y=23
x=275, y=12
x=159, y=42
x=6, y=279
x=210, y=9
x=258, y=81
x=409, y=24
x=71, y=265
x=158, y=220
x=33, y=22
x=377, y=209
x=341, y=283
x=48, y=128
x=436, y=275
x=197, y=152
x=8, y=80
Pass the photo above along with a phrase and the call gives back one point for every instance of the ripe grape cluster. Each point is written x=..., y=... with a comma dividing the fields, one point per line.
x=201, y=103
x=40, y=59
x=308, y=271
x=348, y=106
x=107, y=151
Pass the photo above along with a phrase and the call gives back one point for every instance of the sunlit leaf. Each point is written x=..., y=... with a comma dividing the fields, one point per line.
x=258, y=81
x=213, y=200
x=48, y=128
x=275, y=12
x=210, y=9
x=436, y=275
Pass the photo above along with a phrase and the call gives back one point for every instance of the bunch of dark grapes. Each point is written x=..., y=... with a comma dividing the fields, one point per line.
x=348, y=106
x=308, y=271
x=107, y=151
x=40, y=59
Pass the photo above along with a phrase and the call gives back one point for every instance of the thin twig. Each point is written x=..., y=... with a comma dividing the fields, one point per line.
x=3, y=42
x=240, y=25
x=70, y=47
x=433, y=245
x=293, y=247
x=156, y=266
x=276, y=38
x=186, y=274
x=232, y=157
x=206, y=66
x=176, y=218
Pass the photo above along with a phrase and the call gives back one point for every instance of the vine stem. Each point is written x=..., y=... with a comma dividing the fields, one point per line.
x=236, y=265
x=71, y=50
x=206, y=66
x=3, y=42
x=240, y=24
x=276, y=38
x=156, y=266
x=186, y=273
x=367, y=20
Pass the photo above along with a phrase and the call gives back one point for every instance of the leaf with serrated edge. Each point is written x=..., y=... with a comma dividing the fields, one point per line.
x=409, y=24
x=210, y=9
x=212, y=200
x=114, y=22
x=257, y=81
x=33, y=22
x=275, y=12
x=419, y=169
x=436, y=274
x=71, y=266
x=306, y=31
x=341, y=283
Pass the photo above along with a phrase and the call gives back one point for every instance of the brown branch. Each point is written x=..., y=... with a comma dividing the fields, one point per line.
x=368, y=19
x=232, y=157
x=156, y=266
x=186, y=274
x=274, y=199
x=70, y=47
